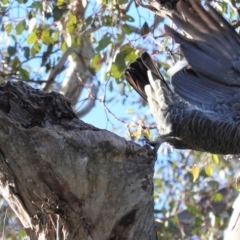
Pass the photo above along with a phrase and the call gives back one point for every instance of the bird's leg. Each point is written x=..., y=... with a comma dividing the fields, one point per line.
x=156, y=144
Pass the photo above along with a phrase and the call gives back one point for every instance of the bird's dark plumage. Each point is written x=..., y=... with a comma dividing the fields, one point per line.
x=202, y=112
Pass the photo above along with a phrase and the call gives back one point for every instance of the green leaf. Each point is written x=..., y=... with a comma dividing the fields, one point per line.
x=158, y=182
x=120, y=38
x=213, y=184
x=130, y=18
x=146, y=133
x=70, y=28
x=96, y=62
x=22, y=1
x=32, y=38
x=64, y=47
x=215, y=158
x=37, y=46
x=89, y=21
x=20, y=27
x=11, y=50
x=122, y=2
x=103, y=2
x=119, y=65
x=8, y=27
x=75, y=40
x=129, y=53
x=57, y=13
x=24, y=74
x=33, y=51
x=22, y=233
x=72, y=19
x=131, y=56
x=136, y=134
x=195, y=172
x=45, y=33
x=46, y=38
x=15, y=63
x=108, y=21
x=209, y=170
x=26, y=52
x=55, y=35
x=129, y=111
x=4, y=2
x=103, y=43
x=217, y=197
x=60, y=2
x=126, y=29
x=193, y=209
x=114, y=71
x=37, y=5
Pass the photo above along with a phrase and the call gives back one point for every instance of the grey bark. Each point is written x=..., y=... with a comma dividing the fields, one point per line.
x=66, y=179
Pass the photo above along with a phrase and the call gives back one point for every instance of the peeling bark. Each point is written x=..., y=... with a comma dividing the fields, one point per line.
x=66, y=179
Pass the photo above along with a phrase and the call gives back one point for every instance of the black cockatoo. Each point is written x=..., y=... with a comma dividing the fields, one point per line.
x=201, y=111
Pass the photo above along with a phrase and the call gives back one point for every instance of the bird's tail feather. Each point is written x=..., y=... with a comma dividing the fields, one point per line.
x=144, y=76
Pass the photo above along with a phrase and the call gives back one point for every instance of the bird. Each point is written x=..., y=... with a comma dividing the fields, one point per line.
x=200, y=109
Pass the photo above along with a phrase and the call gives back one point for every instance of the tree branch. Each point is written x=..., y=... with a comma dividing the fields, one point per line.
x=65, y=178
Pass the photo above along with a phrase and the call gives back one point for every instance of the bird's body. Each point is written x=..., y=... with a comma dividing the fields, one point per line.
x=202, y=112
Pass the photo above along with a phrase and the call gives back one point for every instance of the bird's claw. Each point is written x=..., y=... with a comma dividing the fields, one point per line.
x=155, y=144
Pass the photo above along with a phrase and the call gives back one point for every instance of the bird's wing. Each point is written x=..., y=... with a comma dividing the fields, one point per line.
x=202, y=91
x=213, y=55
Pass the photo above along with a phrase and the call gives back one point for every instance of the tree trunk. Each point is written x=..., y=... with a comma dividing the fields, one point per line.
x=78, y=76
x=65, y=179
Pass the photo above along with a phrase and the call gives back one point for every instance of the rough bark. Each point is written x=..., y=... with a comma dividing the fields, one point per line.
x=65, y=179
